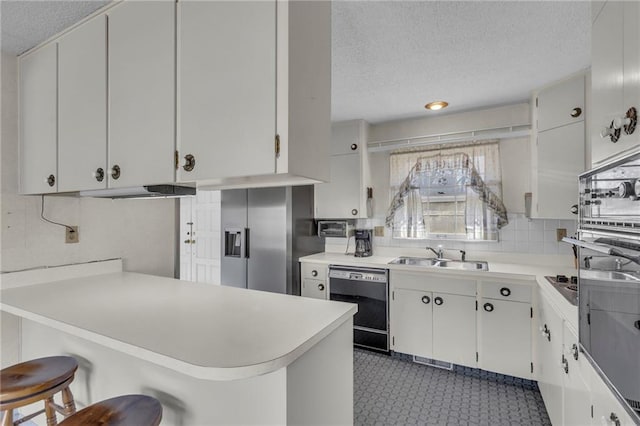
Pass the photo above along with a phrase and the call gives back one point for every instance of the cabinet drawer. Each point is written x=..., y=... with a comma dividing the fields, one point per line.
x=432, y=282
x=316, y=289
x=506, y=291
x=314, y=271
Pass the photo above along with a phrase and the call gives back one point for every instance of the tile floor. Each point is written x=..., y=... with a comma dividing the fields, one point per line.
x=393, y=390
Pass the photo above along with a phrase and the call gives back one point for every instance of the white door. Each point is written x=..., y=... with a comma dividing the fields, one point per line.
x=560, y=160
x=499, y=322
x=142, y=92
x=340, y=198
x=38, y=121
x=577, y=397
x=411, y=322
x=200, y=237
x=82, y=107
x=549, y=347
x=454, y=331
x=227, y=88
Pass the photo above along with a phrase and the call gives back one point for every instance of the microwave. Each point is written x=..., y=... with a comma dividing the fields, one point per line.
x=335, y=228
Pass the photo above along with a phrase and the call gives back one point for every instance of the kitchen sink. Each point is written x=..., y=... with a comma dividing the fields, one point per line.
x=469, y=265
x=594, y=274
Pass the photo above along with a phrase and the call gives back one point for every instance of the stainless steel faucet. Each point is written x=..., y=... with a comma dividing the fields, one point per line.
x=439, y=253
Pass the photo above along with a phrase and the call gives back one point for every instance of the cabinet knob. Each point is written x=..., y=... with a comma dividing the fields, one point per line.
x=314, y=273
x=564, y=364
x=576, y=112
x=354, y=146
x=505, y=291
x=488, y=307
x=632, y=118
x=620, y=122
x=611, y=132
x=575, y=351
x=426, y=300
x=51, y=180
x=115, y=172
x=189, y=163
x=438, y=301
x=321, y=287
x=613, y=417
x=354, y=212
x=99, y=174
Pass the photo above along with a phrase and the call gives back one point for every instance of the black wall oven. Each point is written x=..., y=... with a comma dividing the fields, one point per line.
x=609, y=276
x=369, y=289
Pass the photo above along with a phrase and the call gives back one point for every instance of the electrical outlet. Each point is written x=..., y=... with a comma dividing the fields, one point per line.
x=378, y=231
x=72, y=235
x=560, y=233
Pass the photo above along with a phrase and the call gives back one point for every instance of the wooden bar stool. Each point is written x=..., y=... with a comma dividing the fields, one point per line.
x=37, y=380
x=127, y=410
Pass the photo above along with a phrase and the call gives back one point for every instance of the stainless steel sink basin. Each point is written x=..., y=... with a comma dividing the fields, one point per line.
x=468, y=265
x=593, y=274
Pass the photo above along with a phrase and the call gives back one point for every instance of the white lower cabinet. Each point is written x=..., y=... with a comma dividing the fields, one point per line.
x=454, y=333
x=504, y=336
x=314, y=280
x=429, y=322
x=577, y=401
x=549, y=347
x=504, y=327
x=411, y=319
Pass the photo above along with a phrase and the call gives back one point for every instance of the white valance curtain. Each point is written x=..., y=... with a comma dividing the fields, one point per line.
x=474, y=212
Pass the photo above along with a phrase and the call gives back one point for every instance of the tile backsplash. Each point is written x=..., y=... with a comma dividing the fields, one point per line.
x=521, y=235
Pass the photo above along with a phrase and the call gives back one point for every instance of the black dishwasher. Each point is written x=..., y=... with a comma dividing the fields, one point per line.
x=369, y=289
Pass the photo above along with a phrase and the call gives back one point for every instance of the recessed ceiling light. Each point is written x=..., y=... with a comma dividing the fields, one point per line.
x=435, y=106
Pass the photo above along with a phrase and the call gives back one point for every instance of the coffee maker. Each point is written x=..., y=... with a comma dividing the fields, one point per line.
x=363, y=242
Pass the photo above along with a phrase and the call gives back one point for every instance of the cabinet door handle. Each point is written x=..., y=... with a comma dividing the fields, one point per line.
x=99, y=174
x=488, y=307
x=314, y=273
x=189, y=163
x=115, y=172
x=564, y=364
x=576, y=112
x=574, y=351
x=321, y=287
x=426, y=300
x=614, y=419
x=438, y=301
x=354, y=146
x=505, y=291
x=51, y=180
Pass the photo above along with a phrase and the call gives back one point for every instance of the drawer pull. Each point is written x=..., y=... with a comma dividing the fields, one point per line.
x=505, y=291
x=321, y=287
x=354, y=146
x=426, y=300
x=637, y=324
x=488, y=307
x=314, y=273
x=354, y=212
x=51, y=180
x=438, y=301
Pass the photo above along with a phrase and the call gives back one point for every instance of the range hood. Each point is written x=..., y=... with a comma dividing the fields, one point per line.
x=146, y=191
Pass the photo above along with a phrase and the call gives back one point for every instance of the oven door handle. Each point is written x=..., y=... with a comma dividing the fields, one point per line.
x=601, y=248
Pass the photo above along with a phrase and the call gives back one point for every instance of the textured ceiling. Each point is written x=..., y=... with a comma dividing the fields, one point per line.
x=26, y=23
x=390, y=58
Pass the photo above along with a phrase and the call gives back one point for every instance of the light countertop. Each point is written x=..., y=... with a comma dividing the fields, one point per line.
x=202, y=330
x=535, y=273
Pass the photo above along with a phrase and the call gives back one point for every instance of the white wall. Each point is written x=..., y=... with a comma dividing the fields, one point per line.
x=141, y=232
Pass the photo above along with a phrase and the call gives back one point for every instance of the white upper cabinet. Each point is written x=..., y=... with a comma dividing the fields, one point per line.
x=142, y=92
x=253, y=92
x=82, y=106
x=615, y=71
x=345, y=195
x=561, y=104
x=227, y=88
x=558, y=150
x=38, y=126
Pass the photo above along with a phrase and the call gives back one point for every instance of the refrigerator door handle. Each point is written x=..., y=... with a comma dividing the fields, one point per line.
x=247, y=235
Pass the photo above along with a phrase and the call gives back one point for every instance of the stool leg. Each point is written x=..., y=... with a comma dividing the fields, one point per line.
x=51, y=412
x=7, y=420
x=68, y=402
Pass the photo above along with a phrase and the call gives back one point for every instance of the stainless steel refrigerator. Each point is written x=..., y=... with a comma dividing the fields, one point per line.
x=264, y=233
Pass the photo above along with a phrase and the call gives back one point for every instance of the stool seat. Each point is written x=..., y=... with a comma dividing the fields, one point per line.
x=36, y=376
x=38, y=380
x=126, y=410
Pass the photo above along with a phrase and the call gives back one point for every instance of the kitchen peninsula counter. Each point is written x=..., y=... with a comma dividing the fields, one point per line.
x=200, y=336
